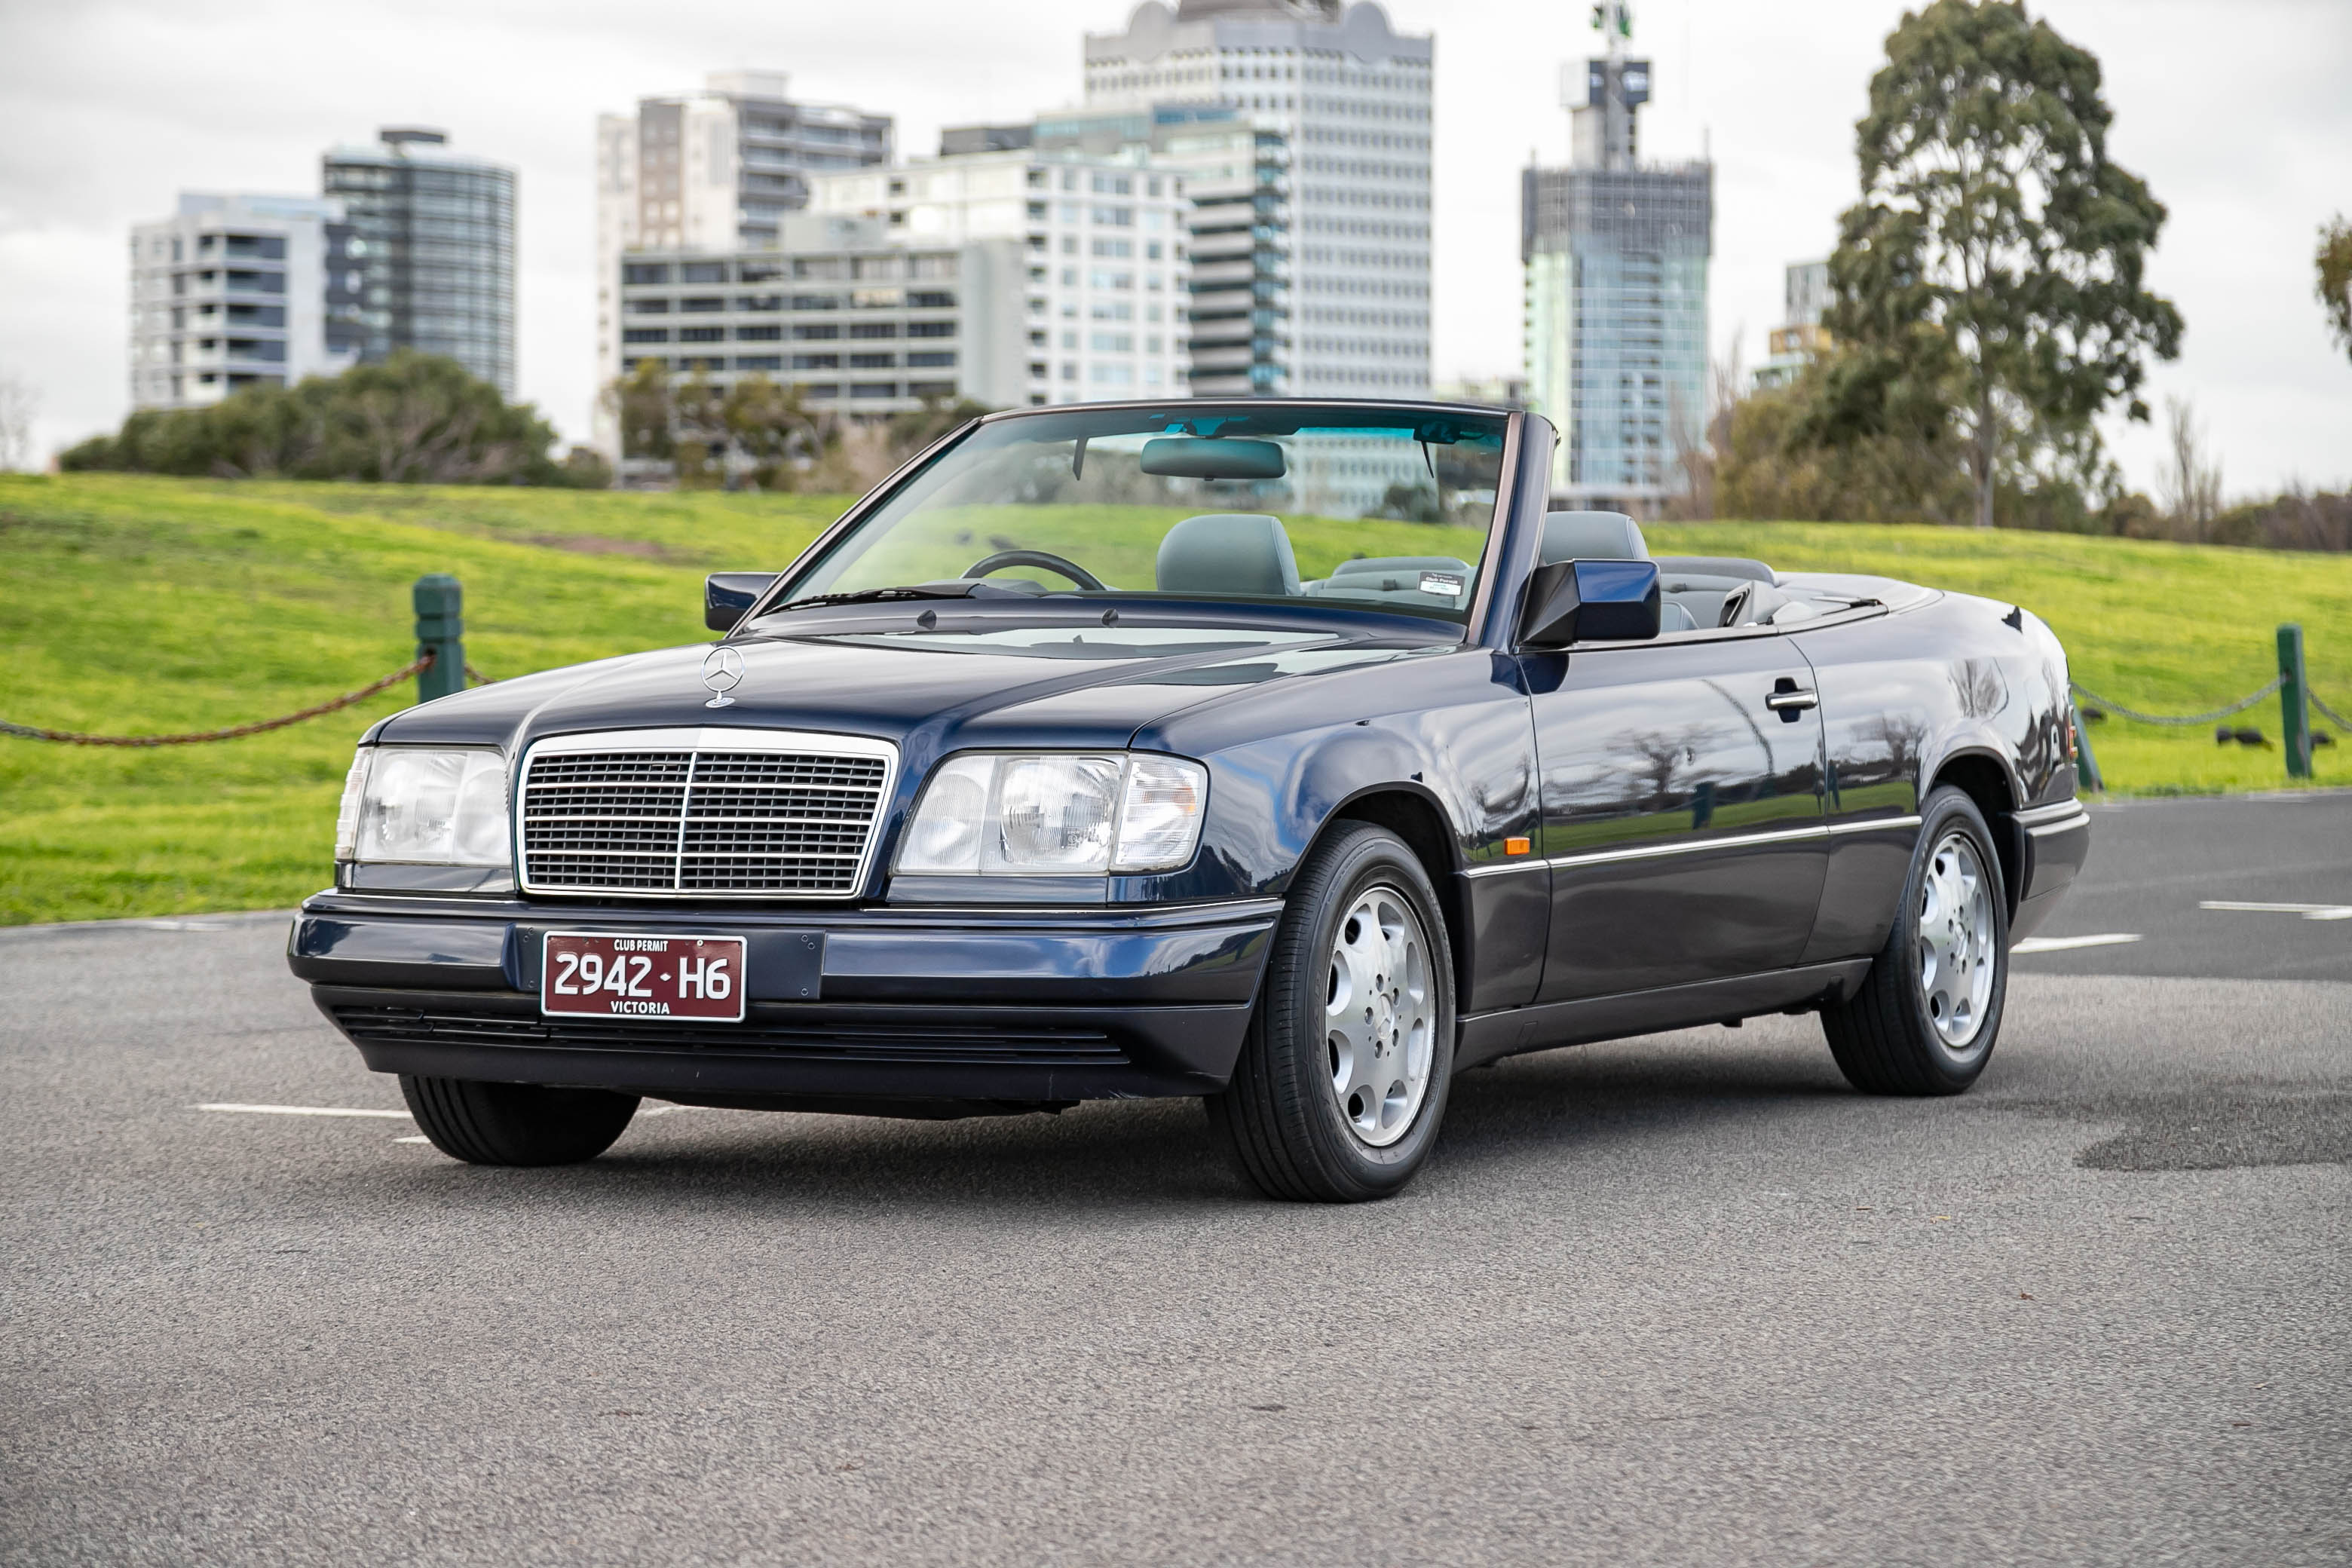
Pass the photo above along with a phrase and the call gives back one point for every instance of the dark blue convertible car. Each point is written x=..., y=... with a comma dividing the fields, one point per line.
x=1291, y=756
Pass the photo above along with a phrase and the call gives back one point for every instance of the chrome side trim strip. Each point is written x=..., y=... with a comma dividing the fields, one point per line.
x=1696, y=846
x=1872, y=824
x=2058, y=811
x=2077, y=823
x=1501, y=868
x=1689, y=846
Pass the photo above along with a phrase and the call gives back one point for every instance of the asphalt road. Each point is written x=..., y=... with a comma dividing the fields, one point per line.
x=2156, y=866
x=1679, y=1299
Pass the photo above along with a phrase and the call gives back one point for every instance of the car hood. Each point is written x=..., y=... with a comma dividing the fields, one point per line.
x=925, y=692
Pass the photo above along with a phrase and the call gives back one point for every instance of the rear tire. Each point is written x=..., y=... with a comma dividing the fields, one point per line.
x=1342, y=1077
x=516, y=1123
x=1925, y=1019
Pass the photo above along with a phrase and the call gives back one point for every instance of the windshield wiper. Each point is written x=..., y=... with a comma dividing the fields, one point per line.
x=950, y=588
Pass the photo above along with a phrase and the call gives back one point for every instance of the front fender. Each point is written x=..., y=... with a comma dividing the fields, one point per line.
x=1445, y=743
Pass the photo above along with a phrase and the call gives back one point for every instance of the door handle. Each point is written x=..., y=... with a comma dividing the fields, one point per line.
x=1791, y=702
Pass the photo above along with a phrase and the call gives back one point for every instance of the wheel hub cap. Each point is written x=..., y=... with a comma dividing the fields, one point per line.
x=1955, y=940
x=1380, y=1017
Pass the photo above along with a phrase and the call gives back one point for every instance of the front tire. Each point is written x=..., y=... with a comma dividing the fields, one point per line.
x=1925, y=1019
x=516, y=1123
x=1342, y=1079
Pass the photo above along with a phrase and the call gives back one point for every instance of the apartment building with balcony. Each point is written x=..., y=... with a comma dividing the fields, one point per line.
x=1235, y=177
x=1327, y=148
x=717, y=170
x=1103, y=289
x=234, y=291
x=434, y=246
x=861, y=322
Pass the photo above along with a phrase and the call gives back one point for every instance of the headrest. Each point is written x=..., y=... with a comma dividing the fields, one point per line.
x=1227, y=552
x=1591, y=536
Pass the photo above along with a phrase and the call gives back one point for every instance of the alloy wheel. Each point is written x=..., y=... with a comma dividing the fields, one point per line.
x=1380, y=1015
x=1955, y=940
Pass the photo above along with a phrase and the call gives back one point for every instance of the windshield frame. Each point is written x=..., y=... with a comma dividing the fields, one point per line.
x=1491, y=558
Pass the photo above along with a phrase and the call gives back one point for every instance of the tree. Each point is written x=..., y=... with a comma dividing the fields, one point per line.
x=773, y=431
x=412, y=419
x=1994, y=263
x=2191, y=485
x=640, y=402
x=1806, y=451
x=18, y=403
x=2335, y=263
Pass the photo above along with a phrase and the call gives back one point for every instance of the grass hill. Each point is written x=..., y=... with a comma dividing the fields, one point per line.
x=137, y=605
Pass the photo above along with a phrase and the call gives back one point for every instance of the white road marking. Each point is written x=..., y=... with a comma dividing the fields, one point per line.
x=2032, y=944
x=420, y=1138
x=306, y=1111
x=2308, y=911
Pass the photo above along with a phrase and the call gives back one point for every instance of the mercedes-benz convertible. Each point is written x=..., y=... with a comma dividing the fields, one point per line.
x=1293, y=756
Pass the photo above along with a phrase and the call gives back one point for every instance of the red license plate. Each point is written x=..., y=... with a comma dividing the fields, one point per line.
x=652, y=977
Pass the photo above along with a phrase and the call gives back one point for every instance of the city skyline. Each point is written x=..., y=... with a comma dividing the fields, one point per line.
x=2247, y=177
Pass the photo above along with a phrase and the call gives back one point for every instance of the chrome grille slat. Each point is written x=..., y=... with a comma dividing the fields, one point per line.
x=727, y=813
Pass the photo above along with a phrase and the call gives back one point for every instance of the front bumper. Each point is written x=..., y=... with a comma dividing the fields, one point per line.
x=868, y=1004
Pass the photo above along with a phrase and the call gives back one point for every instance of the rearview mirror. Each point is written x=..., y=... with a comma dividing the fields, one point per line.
x=1196, y=458
x=727, y=597
x=1590, y=601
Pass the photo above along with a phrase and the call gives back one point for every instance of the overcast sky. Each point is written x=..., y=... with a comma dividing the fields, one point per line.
x=2238, y=114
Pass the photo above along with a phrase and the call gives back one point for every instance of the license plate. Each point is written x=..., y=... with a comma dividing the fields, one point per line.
x=655, y=977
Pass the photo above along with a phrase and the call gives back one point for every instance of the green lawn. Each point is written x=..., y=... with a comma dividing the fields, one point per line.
x=141, y=605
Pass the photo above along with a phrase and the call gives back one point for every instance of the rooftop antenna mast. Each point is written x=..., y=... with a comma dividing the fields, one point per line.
x=1613, y=19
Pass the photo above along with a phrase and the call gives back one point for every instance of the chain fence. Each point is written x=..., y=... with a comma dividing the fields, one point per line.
x=71, y=738
x=2330, y=714
x=2240, y=706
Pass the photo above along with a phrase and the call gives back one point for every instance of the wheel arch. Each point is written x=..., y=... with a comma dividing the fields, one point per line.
x=1986, y=779
x=1414, y=815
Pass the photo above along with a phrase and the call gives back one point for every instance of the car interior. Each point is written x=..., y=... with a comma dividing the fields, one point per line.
x=1250, y=553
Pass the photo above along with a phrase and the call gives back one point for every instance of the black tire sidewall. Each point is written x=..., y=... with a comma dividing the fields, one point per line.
x=1365, y=858
x=1947, y=809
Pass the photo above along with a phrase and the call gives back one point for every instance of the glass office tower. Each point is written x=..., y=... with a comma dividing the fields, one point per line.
x=433, y=248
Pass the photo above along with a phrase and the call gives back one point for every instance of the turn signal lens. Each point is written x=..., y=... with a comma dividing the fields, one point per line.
x=1055, y=814
x=1159, y=815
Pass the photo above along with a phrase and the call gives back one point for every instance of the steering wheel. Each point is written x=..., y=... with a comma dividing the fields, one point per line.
x=1046, y=558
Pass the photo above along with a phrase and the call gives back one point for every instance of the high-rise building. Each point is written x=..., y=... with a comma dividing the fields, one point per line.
x=714, y=171
x=862, y=319
x=1805, y=295
x=1104, y=291
x=1236, y=175
x=1312, y=238
x=1615, y=255
x=234, y=291
x=434, y=246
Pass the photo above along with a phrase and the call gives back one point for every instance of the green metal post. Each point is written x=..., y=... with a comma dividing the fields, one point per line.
x=2086, y=767
x=441, y=632
x=2294, y=702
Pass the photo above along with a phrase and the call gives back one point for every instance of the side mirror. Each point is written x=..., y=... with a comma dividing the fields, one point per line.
x=1590, y=601
x=727, y=597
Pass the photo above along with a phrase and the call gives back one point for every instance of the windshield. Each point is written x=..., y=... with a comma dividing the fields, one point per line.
x=1281, y=501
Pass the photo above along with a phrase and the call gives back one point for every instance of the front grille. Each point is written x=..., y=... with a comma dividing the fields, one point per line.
x=963, y=1043
x=729, y=813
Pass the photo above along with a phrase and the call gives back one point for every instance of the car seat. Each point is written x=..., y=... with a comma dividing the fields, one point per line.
x=1227, y=552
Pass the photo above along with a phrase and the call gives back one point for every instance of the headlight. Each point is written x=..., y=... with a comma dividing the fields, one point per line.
x=407, y=804
x=1056, y=813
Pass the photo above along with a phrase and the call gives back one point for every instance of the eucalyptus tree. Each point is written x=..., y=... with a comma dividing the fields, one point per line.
x=2335, y=263
x=1992, y=271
